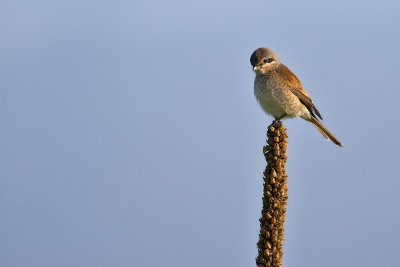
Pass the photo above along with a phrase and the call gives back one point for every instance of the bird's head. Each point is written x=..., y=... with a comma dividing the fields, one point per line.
x=264, y=60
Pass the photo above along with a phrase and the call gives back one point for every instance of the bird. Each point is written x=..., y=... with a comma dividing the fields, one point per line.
x=281, y=94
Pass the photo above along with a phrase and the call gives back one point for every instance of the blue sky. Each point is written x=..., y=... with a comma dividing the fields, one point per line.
x=130, y=135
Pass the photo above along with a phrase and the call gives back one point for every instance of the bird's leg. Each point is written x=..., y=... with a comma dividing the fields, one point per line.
x=281, y=117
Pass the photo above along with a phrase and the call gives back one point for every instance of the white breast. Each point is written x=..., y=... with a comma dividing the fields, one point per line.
x=267, y=97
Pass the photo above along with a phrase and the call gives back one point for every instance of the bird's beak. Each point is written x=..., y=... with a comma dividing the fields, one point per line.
x=255, y=68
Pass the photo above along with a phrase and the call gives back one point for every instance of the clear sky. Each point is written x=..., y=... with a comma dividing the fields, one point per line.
x=130, y=135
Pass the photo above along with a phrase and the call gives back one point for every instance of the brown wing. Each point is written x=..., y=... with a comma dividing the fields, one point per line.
x=297, y=89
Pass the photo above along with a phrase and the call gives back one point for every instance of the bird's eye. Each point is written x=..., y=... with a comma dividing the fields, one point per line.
x=268, y=60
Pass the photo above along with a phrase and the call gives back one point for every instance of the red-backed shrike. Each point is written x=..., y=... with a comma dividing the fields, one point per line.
x=280, y=92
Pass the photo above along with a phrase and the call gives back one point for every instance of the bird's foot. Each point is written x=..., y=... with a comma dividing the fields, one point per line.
x=281, y=117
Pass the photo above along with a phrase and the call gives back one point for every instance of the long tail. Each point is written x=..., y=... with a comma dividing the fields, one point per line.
x=325, y=133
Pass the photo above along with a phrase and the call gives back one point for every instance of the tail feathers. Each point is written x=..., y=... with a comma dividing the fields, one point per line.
x=322, y=132
x=325, y=133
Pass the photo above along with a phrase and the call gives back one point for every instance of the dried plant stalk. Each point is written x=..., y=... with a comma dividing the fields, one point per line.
x=270, y=242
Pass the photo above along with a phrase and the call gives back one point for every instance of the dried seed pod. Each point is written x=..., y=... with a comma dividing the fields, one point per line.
x=275, y=232
x=267, y=253
x=276, y=255
x=267, y=234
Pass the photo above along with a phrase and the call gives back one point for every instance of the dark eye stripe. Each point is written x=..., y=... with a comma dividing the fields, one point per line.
x=268, y=60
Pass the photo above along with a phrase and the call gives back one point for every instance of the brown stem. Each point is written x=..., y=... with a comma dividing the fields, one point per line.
x=270, y=242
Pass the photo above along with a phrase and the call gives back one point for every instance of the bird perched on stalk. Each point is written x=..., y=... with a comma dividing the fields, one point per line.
x=280, y=92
